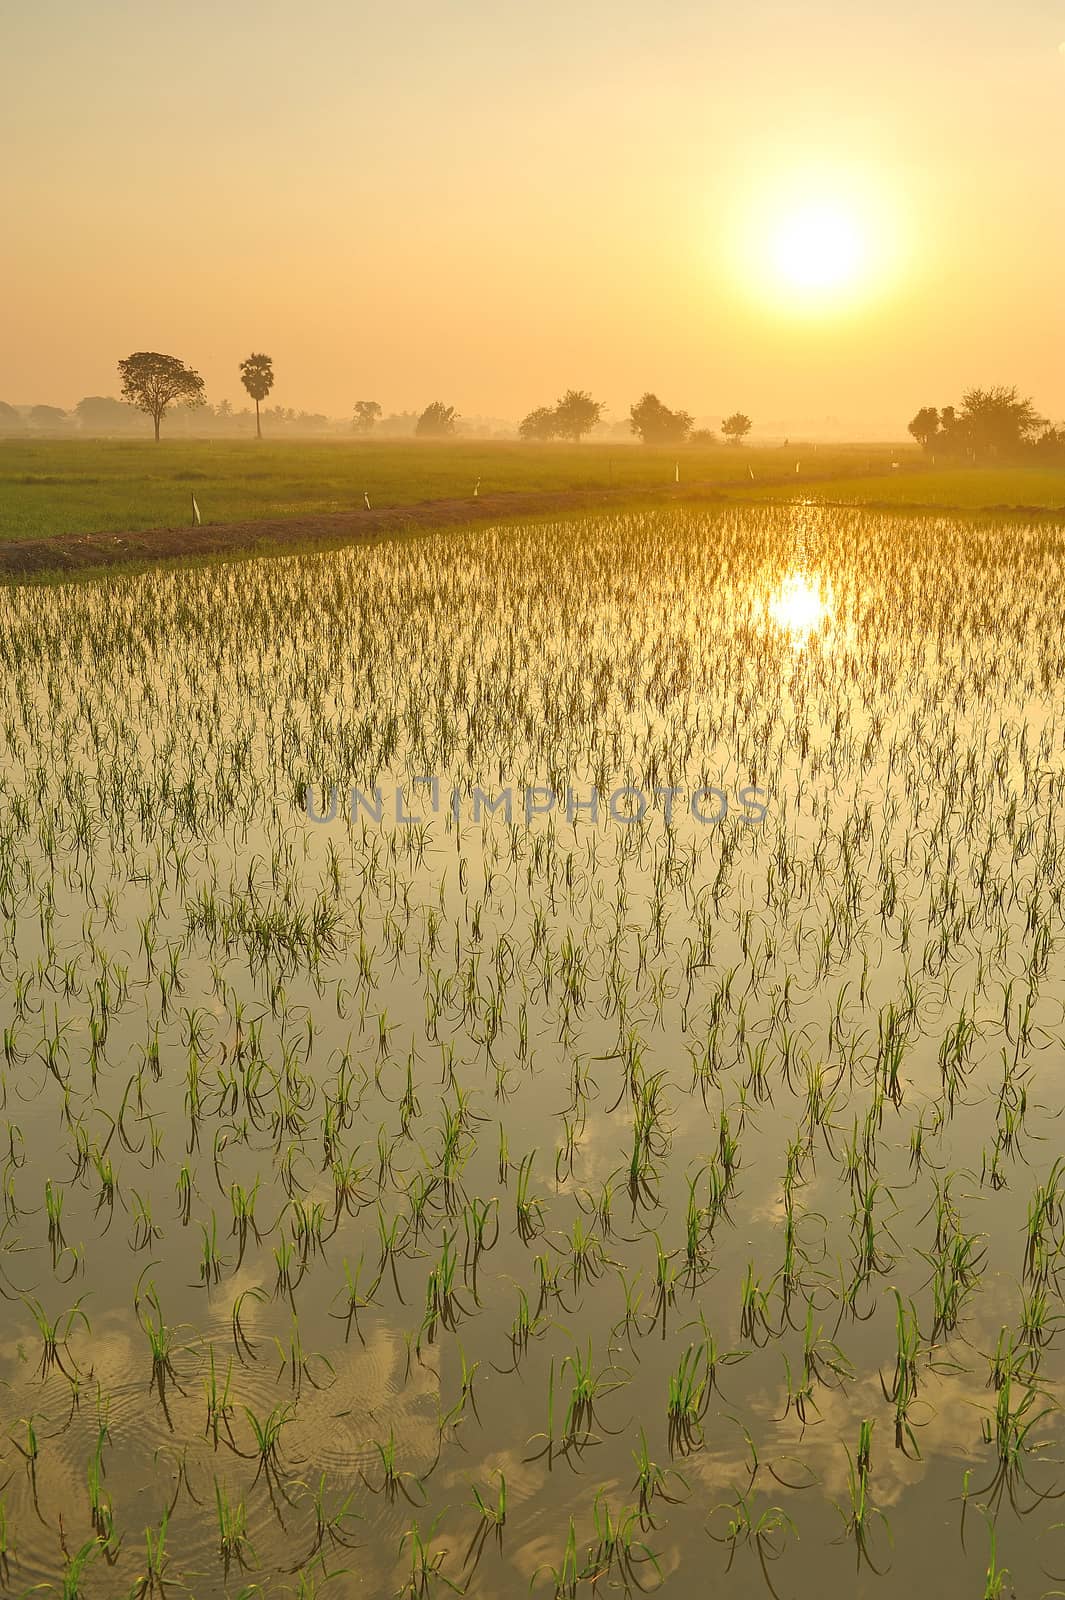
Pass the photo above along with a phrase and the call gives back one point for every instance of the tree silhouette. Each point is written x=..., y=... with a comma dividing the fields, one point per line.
x=47, y=417
x=655, y=423
x=1050, y=445
x=539, y=424
x=577, y=414
x=366, y=414
x=925, y=427
x=152, y=382
x=992, y=423
x=437, y=421
x=257, y=376
x=737, y=427
x=998, y=422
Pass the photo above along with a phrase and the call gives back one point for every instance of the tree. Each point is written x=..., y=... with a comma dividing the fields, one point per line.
x=737, y=427
x=702, y=436
x=539, y=424
x=577, y=414
x=366, y=414
x=1050, y=446
x=953, y=438
x=10, y=420
x=152, y=382
x=991, y=423
x=998, y=422
x=657, y=424
x=98, y=413
x=925, y=427
x=47, y=417
x=437, y=421
x=257, y=376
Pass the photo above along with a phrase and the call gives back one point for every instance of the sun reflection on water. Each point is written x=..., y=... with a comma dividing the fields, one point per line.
x=800, y=606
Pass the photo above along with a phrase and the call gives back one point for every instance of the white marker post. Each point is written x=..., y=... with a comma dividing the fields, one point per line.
x=196, y=519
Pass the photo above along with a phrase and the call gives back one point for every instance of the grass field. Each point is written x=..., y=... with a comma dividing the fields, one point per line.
x=952, y=488
x=101, y=485
x=50, y=488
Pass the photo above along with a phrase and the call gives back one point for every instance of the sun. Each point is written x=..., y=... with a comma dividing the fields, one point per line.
x=818, y=241
x=817, y=250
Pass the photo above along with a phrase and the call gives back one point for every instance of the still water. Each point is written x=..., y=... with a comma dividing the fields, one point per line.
x=570, y=1202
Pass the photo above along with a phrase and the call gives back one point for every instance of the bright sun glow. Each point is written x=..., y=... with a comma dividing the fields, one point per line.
x=818, y=249
x=799, y=606
x=821, y=240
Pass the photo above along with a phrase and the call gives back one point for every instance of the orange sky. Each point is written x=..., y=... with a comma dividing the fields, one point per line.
x=488, y=203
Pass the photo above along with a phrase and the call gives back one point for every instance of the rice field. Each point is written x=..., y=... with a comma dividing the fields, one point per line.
x=52, y=487
x=404, y=1193
x=939, y=488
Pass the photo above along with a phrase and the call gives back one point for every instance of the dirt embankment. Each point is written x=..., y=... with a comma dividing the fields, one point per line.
x=85, y=552
x=90, y=552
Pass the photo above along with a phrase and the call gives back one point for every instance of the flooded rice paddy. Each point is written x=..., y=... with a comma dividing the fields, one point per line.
x=559, y=1203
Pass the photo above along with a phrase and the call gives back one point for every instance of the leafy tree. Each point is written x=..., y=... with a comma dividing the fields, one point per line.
x=98, y=413
x=737, y=427
x=366, y=414
x=539, y=424
x=437, y=421
x=577, y=414
x=991, y=423
x=925, y=427
x=152, y=382
x=47, y=417
x=398, y=425
x=10, y=420
x=1050, y=446
x=702, y=436
x=257, y=376
x=998, y=422
x=953, y=436
x=655, y=423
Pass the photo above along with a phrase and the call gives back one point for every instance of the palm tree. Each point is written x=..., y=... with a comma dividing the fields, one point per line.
x=257, y=376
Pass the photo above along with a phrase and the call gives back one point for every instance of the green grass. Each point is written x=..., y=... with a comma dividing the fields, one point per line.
x=55, y=487
x=951, y=488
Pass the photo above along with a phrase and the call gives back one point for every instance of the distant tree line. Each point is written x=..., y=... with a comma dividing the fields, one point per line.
x=571, y=417
x=649, y=419
x=989, y=425
x=104, y=414
x=153, y=384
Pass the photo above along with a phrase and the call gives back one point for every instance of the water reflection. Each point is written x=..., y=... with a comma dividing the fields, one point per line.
x=801, y=605
x=422, y=1300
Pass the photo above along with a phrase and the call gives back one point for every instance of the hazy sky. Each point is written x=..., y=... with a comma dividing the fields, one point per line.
x=488, y=203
